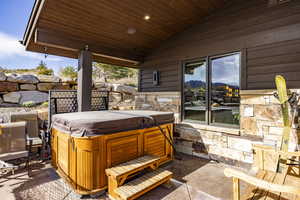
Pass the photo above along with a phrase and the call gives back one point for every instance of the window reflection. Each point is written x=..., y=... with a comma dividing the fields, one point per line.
x=225, y=87
x=195, y=91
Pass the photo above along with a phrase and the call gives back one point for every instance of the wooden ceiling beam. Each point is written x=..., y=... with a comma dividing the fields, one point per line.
x=50, y=38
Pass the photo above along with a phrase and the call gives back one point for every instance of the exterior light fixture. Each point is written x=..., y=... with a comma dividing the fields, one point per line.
x=147, y=17
x=131, y=31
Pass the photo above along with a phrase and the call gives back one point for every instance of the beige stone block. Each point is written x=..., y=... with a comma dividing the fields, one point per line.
x=189, y=134
x=268, y=112
x=45, y=86
x=227, y=153
x=266, y=129
x=248, y=157
x=262, y=123
x=272, y=140
x=254, y=99
x=273, y=130
x=249, y=125
x=240, y=144
x=62, y=86
x=28, y=87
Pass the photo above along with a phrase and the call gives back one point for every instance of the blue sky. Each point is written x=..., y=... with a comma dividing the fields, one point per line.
x=14, y=15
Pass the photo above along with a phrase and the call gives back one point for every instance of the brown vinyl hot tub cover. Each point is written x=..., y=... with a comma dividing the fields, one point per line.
x=106, y=122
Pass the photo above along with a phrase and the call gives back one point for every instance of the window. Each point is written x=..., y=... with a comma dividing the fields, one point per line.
x=211, y=90
x=195, y=101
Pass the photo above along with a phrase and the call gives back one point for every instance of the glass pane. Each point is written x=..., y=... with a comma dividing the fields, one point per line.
x=225, y=87
x=194, y=91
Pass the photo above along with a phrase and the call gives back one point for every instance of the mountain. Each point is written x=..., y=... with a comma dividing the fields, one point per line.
x=197, y=84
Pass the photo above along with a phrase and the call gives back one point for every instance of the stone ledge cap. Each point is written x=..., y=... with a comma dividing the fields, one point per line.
x=227, y=130
x=263, y=92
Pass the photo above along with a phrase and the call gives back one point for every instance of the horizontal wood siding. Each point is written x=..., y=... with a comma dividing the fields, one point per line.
x=269, y=37
x=169, y=77
x=265, y=62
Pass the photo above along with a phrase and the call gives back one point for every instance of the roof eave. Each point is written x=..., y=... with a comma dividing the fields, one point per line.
x=38, y=4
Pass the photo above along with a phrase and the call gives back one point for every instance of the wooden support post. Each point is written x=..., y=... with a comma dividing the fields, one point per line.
x=236, y=188
x=84, y=89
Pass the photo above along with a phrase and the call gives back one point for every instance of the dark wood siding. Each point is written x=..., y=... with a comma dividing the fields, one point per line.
x=269, y=37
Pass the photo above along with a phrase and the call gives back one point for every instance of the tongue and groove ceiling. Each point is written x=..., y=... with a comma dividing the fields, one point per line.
x=115, y=31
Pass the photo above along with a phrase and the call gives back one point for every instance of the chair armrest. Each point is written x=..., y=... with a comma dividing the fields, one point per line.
x=261, y=183
x=278, y=153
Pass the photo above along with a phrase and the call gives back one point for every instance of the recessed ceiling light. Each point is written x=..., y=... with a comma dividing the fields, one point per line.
x=147, y=17
x=131, y=31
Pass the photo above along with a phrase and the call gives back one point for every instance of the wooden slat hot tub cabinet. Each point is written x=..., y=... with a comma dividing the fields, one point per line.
x=82, y=161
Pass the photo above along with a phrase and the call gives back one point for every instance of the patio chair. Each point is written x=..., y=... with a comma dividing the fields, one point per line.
x=278, y=175
x=268, y=183
x=34, y=136
x=12, y=145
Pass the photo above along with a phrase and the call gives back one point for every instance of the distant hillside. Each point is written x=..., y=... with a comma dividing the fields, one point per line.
x=41, y=69
x=101, y=73
x=17, y=71
x=197, y=84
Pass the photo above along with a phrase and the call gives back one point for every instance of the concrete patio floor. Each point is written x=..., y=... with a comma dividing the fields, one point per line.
x=194, y=178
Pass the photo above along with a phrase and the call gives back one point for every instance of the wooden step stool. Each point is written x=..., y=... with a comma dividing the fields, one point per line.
x=117, y=176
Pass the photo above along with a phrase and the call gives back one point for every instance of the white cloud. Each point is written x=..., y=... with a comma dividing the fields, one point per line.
x=10, y=46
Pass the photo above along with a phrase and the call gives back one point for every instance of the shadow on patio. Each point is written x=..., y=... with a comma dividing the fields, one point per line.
x=194, y=178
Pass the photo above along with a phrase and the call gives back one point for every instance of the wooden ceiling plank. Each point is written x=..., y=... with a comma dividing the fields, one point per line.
x=140, y=9
x=153, y=27
x=90, y=27
x=72, y=54
x=104, y=24
x=52, y=39
x=110, y=14
x=104, y=39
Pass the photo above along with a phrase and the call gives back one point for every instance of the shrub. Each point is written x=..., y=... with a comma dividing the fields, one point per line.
x=29, y=104
x=68, y=71
x=43, y=70
x=45, y=104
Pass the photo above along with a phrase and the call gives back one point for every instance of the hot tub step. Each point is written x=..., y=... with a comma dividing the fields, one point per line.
x=140, y=186
x=133, y=166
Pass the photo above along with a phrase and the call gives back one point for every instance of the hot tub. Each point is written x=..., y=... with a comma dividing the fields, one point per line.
x=85, y=144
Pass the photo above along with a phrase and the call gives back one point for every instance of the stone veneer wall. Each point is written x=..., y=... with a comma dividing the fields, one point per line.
x=16, y=90
x=262, y=124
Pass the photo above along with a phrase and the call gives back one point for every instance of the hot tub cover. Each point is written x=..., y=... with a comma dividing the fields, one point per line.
x=92, y=123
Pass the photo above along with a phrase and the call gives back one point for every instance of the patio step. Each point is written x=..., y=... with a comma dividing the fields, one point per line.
x=143, y=184
x=133, y=166
x=119, y=174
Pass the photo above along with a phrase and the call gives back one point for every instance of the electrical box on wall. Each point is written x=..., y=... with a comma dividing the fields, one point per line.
x=155, y=77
